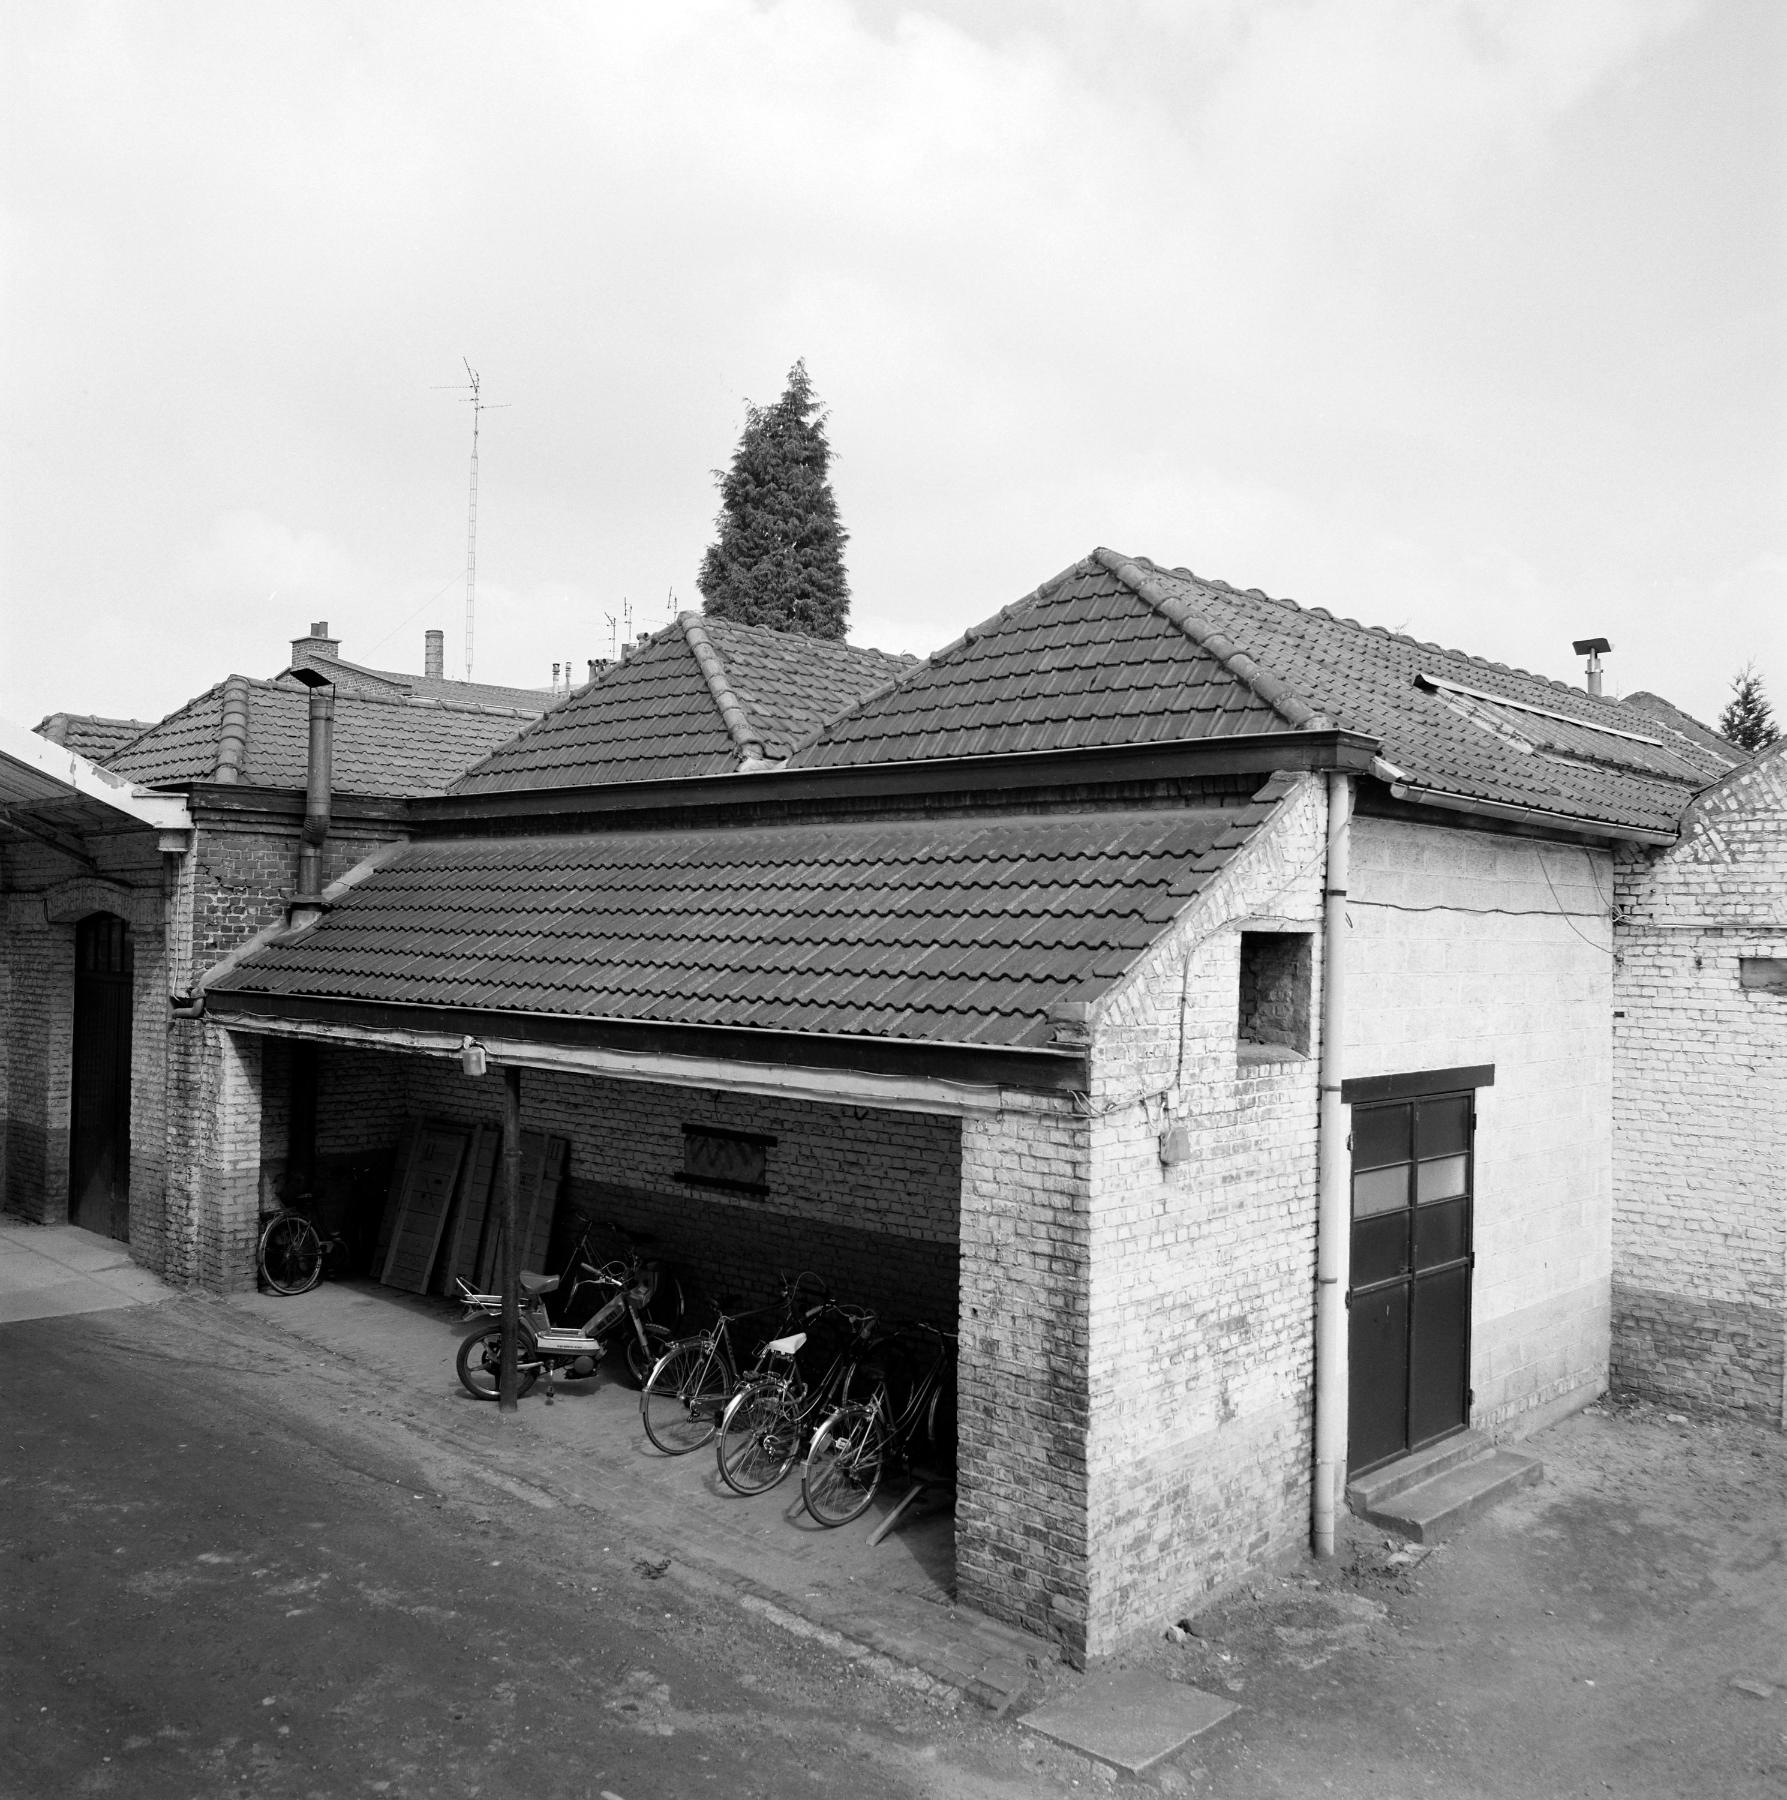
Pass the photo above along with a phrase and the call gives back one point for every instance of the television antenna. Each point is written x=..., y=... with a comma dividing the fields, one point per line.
x=479, y=406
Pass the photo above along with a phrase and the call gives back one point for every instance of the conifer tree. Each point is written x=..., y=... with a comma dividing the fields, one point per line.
x=1746, y=721
x=779, y=556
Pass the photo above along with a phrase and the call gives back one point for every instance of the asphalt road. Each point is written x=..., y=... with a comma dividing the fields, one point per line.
x=220, y=1580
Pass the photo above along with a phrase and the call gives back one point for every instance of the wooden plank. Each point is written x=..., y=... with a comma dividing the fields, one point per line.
x=533, y=1152
x=537, y=1239
x=400, y=1174
x=471, y=1206
x=416, y=1236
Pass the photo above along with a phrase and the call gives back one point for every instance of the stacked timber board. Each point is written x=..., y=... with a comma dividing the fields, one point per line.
x=442, y=1218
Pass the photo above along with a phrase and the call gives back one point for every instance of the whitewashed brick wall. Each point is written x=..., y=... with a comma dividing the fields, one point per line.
x=1467, y=948
x=1700, y=1163
x=1021, y=1514
x=1202, y=1274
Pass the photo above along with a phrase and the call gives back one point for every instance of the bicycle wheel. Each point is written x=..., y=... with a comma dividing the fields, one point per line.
x=759, y=1439
x=479, y=1365
x=684, y=1396
x=641, y=1358
x=290, y=1254
x=844, y=1466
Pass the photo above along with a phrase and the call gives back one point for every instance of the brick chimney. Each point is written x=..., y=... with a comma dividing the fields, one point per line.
x=434, y=654
x=318, y=644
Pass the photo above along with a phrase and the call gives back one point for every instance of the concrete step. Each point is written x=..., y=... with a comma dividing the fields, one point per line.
x=1409, y=1471
x=1437, y=1507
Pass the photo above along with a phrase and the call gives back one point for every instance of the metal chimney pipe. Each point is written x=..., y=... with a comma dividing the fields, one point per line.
x=307, y=902
x=1593, y=649
x=434, y=654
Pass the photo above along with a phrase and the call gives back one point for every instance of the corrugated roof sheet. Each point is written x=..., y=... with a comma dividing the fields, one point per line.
x=382, y=746
x=656, y=715
x=1120, y=651
x=961, y=930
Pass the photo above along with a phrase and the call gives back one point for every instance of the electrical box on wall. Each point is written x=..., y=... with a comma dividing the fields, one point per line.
x=1175, y=1144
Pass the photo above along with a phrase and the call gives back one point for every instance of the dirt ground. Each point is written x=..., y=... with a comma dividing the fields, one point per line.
x=1620, y=1629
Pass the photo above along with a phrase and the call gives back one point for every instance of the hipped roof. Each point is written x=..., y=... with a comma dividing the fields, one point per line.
x=1118, y=650
x=704, y=697
x=381, y=746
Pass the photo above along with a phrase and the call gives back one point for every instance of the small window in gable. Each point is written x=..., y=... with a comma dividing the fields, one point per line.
x=1275, y=998
x=735, y=1160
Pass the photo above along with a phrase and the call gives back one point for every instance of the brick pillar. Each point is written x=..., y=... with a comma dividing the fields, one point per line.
x=230, y=1170
x=1021, y=1489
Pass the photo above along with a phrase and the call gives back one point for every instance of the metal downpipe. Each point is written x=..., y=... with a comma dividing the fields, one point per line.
x=307, y=903
x=1334, y=1204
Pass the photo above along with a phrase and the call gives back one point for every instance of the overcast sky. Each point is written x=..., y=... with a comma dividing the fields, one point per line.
x=1460, y=318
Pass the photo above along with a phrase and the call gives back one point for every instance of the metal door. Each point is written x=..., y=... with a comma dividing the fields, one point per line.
x=1409, y=1306
x=99, y=1118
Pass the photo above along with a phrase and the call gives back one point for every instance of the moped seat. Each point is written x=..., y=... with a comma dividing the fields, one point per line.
x=538, y=1284
x=786, y=1346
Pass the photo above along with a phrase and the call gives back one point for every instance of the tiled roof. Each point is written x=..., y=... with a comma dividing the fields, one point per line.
x=1080, y=662
x=382, y=746
x=1119, y=651
x=959, y=930
x=90, y=736
x=1720, y=751
x=351, y=677
x=700, y=698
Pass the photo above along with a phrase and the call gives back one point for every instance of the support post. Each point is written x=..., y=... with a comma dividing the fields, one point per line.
x=511, y=1258
x=1333, y=1243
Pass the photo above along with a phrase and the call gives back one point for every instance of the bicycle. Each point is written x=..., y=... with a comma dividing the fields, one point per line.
x=686, y=1392
x=765, y=1425
x=291, y=1253
x=853, y=1448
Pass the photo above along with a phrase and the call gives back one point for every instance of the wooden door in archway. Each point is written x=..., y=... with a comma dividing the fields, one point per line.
x=99, y=1112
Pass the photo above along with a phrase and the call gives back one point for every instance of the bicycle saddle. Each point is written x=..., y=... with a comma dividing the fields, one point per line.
x=786, y=1346
x=538, y=1284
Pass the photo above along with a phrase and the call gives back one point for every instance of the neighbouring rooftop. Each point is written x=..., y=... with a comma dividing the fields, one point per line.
x=703, y=697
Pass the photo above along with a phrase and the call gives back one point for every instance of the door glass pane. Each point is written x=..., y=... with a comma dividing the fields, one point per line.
x=1380, y=1247
x=1380, y=1135
x=1380, y=1190
x=1440, y=1180
x=1440, y=1233
x=1443, y=1127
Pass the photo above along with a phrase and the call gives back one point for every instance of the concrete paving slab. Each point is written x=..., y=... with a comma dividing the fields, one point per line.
x=52, y=1271
x=1128, y=1718
x=894, y=1599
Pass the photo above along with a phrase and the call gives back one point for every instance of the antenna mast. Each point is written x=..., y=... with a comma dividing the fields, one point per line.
x=479, y=406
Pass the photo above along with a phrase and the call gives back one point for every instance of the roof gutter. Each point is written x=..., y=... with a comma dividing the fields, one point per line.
x=1257, y=753
x=1526, y=815
x=639, y=1043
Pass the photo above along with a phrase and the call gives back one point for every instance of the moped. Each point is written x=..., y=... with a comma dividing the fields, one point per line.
x=544, y=1348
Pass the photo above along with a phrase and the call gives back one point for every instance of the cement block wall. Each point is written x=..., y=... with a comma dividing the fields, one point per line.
x=1201, y=1300
x=1467, y=948
x=1700, y=1162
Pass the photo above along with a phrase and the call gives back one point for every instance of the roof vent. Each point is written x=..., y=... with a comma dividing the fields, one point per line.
x=1594, y=649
